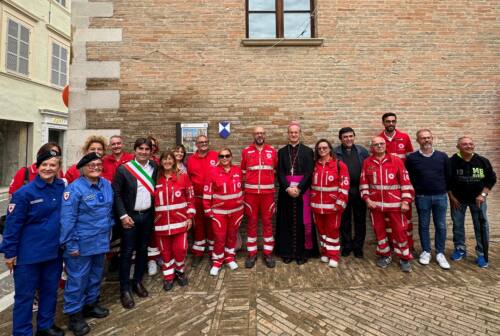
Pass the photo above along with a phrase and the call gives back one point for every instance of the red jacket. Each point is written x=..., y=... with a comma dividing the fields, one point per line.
x=110, y=164
x=173, y=205
x=258, y=168
x=72, y=174
x=386, y=182
x=330, y=187
x=18, y=179
x=222, y=193
x=400, y=145
x=198, y=169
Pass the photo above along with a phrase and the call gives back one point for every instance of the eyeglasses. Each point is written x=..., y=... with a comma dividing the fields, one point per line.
x=226, y=156
x=323, y=148
x=378, y=144
x=95, y=166
x=202, y=142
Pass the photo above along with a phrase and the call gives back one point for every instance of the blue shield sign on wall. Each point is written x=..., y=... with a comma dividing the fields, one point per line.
x=224, y=129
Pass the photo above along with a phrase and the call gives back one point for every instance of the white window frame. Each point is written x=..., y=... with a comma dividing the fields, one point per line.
x=65, y=5
x=18, y=56
x=53, y=42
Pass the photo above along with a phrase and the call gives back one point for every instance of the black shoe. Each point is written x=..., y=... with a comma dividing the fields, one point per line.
x=139, y=289
x=181, y=278
x=358, y=254
x=287, y=260
x=52, y=331
x=168, y=285
x=78, y=325
x=250, y=262
x=345, y=252
x=301, y=261
x=196, y=261
x=94, y=310
x=269, y=261
x=127, y=300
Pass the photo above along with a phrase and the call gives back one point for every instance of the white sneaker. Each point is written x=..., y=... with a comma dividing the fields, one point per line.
x=152, y=267
x=333, y=263
x=441, y=260
x=425, y=258
x=324, y=259
x=232, y=265
x=214, y=271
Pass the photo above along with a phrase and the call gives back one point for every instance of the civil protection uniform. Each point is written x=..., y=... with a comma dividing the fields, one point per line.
x=174, y=205
x=86, y=221
x=400, y=145
x=198, y=168
x=223, y=202
x=32, y=236
x=258, y=167
x=387, y=183
x=329, y=194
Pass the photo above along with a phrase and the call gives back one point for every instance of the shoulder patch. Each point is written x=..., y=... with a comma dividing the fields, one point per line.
x=11, y=207
x=66, y=195
x=212, y=162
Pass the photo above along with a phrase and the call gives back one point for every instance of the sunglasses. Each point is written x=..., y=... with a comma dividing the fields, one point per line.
x=226, y=156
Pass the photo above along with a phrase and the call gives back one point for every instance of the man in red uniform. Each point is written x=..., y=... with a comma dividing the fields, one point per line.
x=386, y=188
x=112, y=161
x=258, y=163
x=198, y=167
x=398, y=144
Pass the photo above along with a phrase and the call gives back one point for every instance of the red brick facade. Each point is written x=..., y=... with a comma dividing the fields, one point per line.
x=434, y=63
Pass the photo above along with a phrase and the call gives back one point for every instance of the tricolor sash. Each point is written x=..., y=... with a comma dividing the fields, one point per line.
x=140, y=174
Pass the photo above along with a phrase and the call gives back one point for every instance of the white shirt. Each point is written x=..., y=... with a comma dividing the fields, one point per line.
x=143, y=198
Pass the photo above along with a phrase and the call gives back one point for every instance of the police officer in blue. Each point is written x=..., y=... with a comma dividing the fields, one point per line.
x=31, y=247
x=86, y=222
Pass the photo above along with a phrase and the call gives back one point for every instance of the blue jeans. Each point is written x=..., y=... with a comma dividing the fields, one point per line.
x=437, y=205
x=479, y=219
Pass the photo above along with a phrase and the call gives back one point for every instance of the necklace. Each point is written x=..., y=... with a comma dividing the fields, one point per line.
x=292, y=162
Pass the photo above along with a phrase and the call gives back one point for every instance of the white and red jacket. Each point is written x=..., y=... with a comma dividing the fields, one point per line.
x=386, y=182
x=110, y=164
x=198, y=168
x=330, y=187
x=173, y=205
x=399, y=145
x=259, y=166
x=222, y=194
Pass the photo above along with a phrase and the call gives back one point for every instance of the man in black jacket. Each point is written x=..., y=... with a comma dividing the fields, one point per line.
x=472, y=178
x=353, y=156
x=133, y=187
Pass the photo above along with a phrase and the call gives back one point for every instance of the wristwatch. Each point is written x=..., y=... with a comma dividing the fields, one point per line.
x=484, y=194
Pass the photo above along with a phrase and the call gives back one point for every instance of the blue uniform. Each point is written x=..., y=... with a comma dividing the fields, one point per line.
x=86, y=221
x=32, y=236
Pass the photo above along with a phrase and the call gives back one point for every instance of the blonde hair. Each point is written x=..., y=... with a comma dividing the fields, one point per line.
x=94, y=139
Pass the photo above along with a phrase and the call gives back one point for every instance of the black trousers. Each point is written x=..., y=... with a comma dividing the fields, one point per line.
x=356, y=209
x=135, y=239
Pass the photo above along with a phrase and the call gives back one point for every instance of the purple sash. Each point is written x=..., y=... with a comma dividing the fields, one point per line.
x=306, y=210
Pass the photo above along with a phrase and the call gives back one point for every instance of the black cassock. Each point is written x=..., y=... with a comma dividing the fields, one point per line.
x=293, y=239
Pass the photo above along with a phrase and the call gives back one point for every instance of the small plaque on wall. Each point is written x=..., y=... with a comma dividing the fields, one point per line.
x=188, y=132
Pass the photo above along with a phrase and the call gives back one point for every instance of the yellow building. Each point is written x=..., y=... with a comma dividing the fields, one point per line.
x=35, y=40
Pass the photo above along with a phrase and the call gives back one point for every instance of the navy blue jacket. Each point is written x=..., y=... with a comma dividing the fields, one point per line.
x=87, y=217
x=33, y=219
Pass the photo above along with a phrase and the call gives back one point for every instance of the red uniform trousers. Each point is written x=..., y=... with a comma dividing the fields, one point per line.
x=399, y=226
x=328, y=226
x=153, y=250
x=225, y=231
x=263, y=204
x=202, y=232
x=173, y=251
x=409, y=230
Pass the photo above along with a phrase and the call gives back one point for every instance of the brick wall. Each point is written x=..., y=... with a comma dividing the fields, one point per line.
x=434, y=63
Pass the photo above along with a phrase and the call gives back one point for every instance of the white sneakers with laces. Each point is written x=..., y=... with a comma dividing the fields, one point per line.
x=232, y=265
x=333, y=263
x=152, y=267
x=324, y=259
x=441, y=260
x=214, y=271
x=425, y=258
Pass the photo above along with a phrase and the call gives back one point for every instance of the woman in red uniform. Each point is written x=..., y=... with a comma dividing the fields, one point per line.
x=223, y=203
x=174, y=210
x=329, y=193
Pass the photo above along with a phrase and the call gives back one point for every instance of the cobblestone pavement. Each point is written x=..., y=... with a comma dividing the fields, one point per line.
x=312, y=299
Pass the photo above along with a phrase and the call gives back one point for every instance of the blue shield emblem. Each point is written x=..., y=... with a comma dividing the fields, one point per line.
x=224, y=129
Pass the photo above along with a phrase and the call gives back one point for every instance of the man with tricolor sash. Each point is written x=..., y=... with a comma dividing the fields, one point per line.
x=133, y=187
